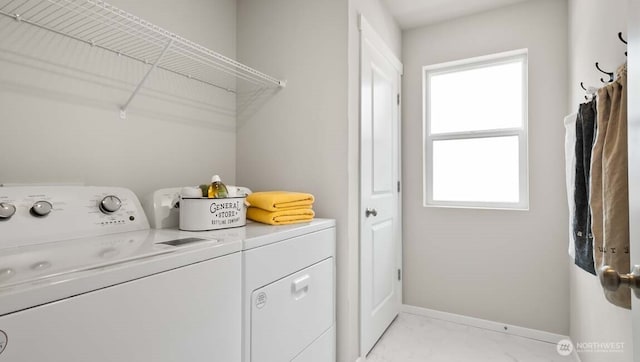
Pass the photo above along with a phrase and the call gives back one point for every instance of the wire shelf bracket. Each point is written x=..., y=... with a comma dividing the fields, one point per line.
x=123, y=109
x=105, y=26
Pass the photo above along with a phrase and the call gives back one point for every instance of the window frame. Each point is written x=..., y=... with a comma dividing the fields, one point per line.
x=521, y=132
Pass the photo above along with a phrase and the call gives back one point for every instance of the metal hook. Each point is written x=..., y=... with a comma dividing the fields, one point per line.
x=622, y=40
x=585, y=89
x=591, y=91
x=607, y=73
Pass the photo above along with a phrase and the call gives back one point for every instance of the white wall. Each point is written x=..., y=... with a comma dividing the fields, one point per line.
x=297, y=138
x=593, y=29
x=60, y=101
x=506, y=266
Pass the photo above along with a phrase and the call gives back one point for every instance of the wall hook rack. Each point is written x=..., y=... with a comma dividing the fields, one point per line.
x=610, y=74
x=105, y=26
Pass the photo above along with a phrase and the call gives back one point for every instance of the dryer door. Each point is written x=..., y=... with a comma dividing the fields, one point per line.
x=288, y=315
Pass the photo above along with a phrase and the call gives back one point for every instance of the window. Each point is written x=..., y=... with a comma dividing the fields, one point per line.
x=475, y=132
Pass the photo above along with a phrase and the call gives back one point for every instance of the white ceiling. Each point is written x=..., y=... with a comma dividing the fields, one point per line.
x=414, y=13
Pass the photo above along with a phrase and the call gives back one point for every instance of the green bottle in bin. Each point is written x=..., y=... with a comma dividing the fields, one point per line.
x=217, y=190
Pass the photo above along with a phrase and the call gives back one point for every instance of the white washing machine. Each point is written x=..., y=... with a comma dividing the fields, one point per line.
x=288, y=284
x=84, y=278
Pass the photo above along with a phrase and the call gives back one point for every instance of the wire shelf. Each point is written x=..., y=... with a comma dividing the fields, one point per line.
x=105, y=26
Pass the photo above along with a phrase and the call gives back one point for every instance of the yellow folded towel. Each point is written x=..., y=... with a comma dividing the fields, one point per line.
x=281, y=217
x=280, y=200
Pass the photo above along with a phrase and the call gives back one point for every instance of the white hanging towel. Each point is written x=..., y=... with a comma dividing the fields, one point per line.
x=570, y=169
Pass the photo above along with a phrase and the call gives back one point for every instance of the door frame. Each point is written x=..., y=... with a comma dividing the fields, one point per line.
x=633, y=109
x=368, y=34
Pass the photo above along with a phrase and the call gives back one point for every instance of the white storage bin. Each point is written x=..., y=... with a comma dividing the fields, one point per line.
x=202, y=214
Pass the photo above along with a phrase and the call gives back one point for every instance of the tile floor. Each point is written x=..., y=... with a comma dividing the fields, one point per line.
x=413, y=338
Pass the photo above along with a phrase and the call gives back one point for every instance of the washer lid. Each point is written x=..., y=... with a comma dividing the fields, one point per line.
x=32, y=263
x=54, y=270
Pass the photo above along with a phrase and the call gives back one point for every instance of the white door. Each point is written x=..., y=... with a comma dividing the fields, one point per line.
x=380, y=227
x=633, y=82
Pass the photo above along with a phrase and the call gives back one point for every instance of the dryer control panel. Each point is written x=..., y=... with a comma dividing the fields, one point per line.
x=38, y=214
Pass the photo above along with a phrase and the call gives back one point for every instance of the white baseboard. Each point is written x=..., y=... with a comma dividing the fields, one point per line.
x=485, y=324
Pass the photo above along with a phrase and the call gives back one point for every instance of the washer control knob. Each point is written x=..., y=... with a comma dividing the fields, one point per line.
x=41, y=208
x=6, y=210
x=110, y=204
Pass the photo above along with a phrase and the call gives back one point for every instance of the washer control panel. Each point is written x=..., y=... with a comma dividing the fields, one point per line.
x=37, y=214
